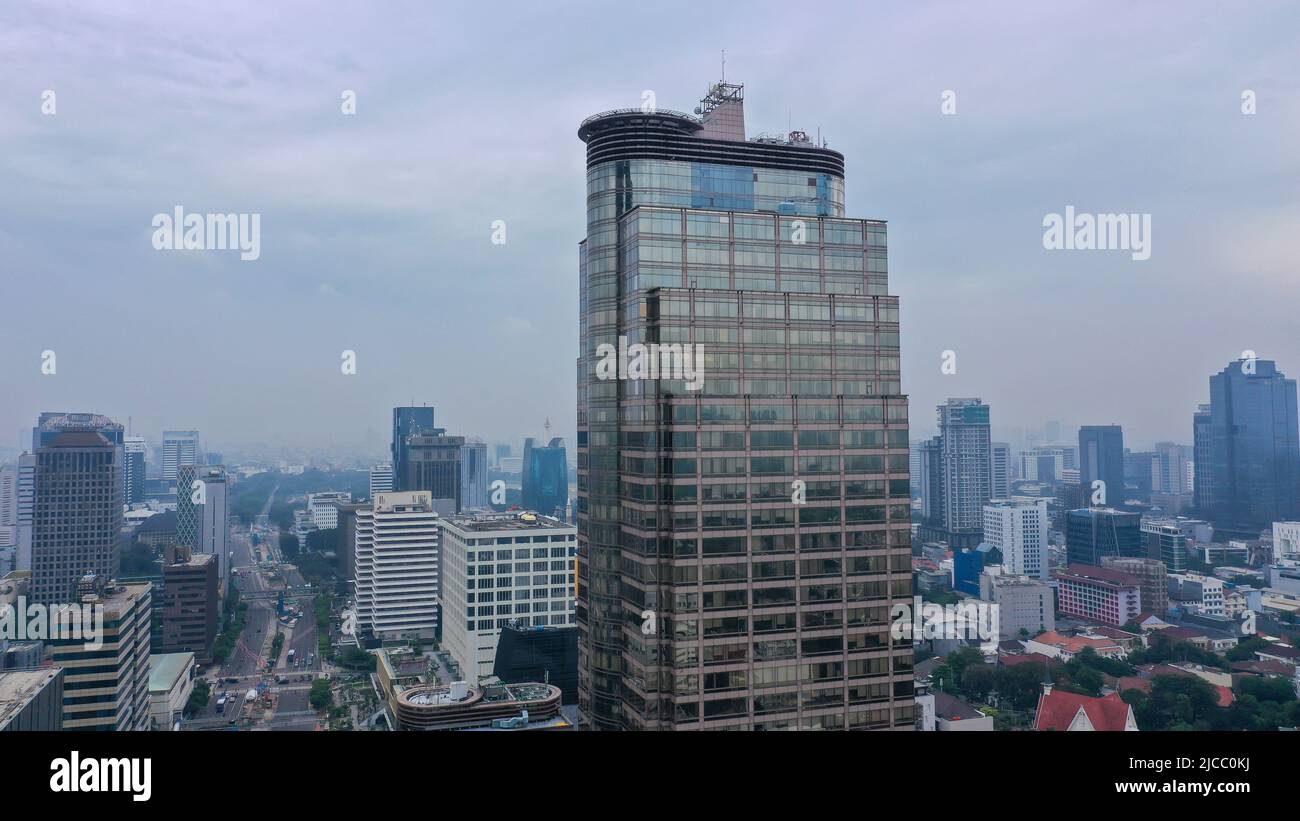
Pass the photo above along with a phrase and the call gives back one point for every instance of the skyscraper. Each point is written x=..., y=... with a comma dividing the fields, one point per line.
x=1201, y=450
x=432, y=461
x=753, y=515
x=1018, y=529
x=214, y=520
x=473, y=476
x=133, y=470
x=964, y=473
x=1101, y=458
x=1171, y=469
x=188, y=506
x=381, y=479
x=77, y=514
x=1094, y=532
x=180, y=447
x=1001, y=458
x=546, y=478
x=1254, y=448
x=407, y=422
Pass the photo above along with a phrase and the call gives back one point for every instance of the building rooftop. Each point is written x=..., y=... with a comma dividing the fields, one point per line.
x=515, y=520
x=17, y=687
x=166, y=668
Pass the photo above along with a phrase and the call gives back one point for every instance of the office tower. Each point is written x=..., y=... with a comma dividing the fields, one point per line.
x=915, y=461
x=133, y=467
x=1141, y=474
x=1001, y=460
x=407, y=422
x=930, y=483
x=8, y=505
x=546, y=478
x=214, y=520
x=547, y=654
x=381, y=479
x=1254, y=448
x=1101, y=458
x=1018, y=529
x=500, y=452
x=473, y=476
x=189, y=510
x=397, y=566
x=964, y=471
x=191, y=604
x=1045, y=464
x=25, y=507
x=77, y=515
x=180, y=447
x=1152, y=576
x=323, y=508
x=1171, y=468
x=686, y=521
x=346, y=538
x=1201, y=450
x=108, y=688
x=1093, y=532
x=31, y=700
x=500, y=569
x=431, y=461
x=1165, y=541
x=51, y=424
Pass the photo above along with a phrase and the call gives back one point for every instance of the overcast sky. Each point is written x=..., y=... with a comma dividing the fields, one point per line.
x=376, y=227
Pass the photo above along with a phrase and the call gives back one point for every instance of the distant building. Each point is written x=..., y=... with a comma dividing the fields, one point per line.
x=1193, y=591
x=180, y=447
x=346, y=538
x=545, y=478
x=1091, y=533
x=31, y=700
x=967, y=565
x=133, y=465
x=1101, y=458
x=1001, y=456
x=1098, y=594
x=381, y=479
x=432, y=462
x=323, y=508
x=77, y=517
x=1165, y=540
x=1151, y=575
x=473, y=476
x=407, y=422
x=1018, y=529
x=1286, y=540
x=965, y=471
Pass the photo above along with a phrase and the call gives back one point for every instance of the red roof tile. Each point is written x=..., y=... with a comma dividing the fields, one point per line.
x=1057, y=710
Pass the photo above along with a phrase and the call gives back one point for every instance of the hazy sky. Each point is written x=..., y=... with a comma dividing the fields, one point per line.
x=376, y=227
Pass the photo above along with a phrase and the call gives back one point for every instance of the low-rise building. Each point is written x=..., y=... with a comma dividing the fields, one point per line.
x=1025, y=604
x=1152, y=579
x=171, y=681
x=1071, y=712
x=1065, y=648
x=492, y=706
x=31, y=699
x=1193, y=591
x=1098, y=594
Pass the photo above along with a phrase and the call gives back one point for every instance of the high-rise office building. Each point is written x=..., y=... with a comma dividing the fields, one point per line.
x=1165, y=542
x=1094, y=532
x=189, y=507
x=432, y=462
x=133, y=470
x=1254, y=443
x=381, y=479
x=397, y=566
x=407, y=422
x=1018, y=529
x=1044, y=464
x=77, y=513
x=545, y=478
x=695, y=547
x=1202, y=487
x=107, y=688
x=180, y=447
x=1171, y=467
x=1001, y=459
x=473, y=476
x=191, y=603
x=8, y=505
x=1101, y=458
x=499, y=569
x=214, y=520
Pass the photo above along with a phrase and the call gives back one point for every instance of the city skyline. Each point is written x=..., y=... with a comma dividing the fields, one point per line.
x=359, y=245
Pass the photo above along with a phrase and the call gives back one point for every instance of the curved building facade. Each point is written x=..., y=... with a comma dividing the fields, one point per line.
x=744, y=529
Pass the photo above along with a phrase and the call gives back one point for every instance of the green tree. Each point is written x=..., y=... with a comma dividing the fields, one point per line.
x=321, y=696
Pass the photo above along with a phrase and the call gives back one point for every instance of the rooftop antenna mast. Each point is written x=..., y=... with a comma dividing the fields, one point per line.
x=724, y=65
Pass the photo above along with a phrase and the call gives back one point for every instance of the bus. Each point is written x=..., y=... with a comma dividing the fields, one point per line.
x=221, y=704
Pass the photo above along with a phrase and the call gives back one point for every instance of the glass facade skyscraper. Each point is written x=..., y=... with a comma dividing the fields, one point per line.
x=741, y=538
x=1254, y=448
x=407, y=422
x=545, y=478
x=1101, y=457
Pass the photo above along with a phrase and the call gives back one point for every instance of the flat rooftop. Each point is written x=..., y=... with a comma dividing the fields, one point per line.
x=506, y=521
x=166, y=668
x=17, y=687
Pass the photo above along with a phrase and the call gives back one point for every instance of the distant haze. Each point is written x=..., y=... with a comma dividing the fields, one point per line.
x=376, y=227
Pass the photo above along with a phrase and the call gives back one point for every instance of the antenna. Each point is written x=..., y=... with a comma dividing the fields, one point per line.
x=724, y=65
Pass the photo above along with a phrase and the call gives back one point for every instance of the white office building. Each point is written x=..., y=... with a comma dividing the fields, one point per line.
x=1001, y=456
x=500, y=568
x=180, y=447
x=214, y=519
x=1286, y=540
x=1018, y=529
x=396, y=553
x=381, y=479
x=323, y=510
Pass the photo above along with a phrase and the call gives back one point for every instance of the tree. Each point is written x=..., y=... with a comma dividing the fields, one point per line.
x=199, y=698
x=321, y=696
x=288, y=545
x=1179, y=703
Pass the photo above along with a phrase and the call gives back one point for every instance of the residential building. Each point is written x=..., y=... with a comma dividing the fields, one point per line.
x=966, y=470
